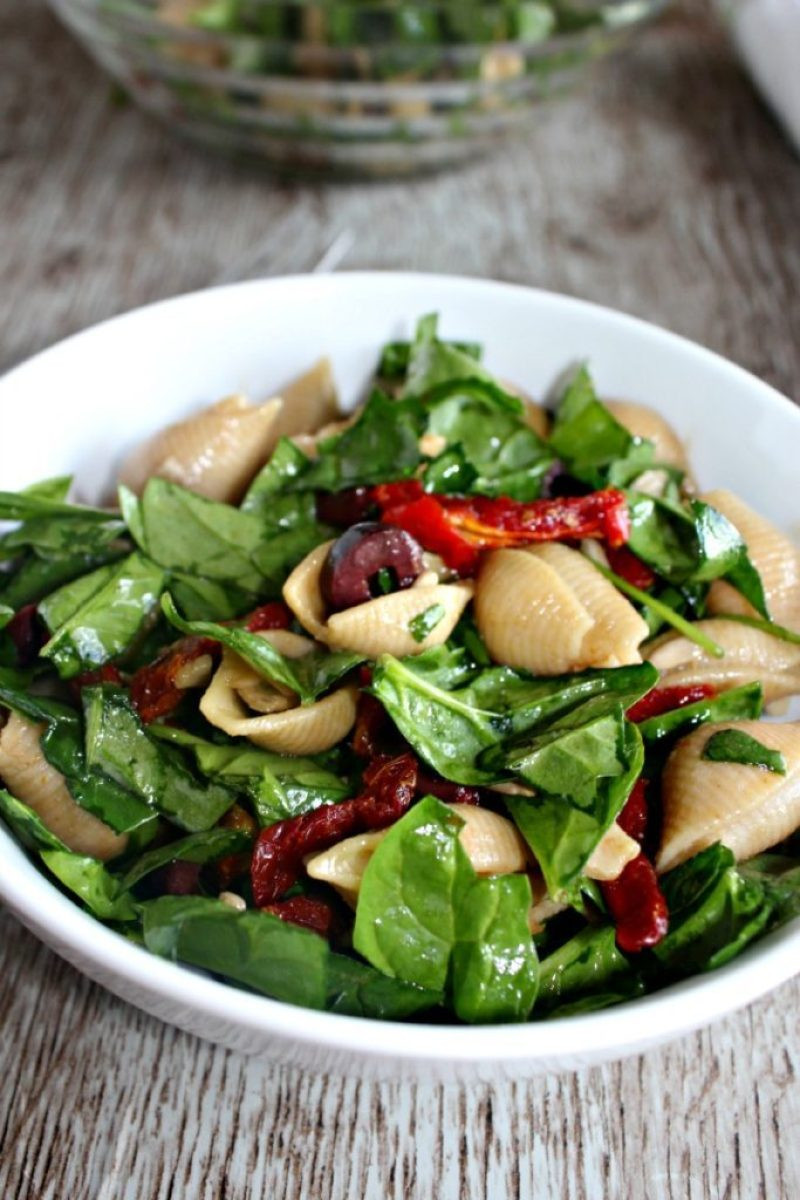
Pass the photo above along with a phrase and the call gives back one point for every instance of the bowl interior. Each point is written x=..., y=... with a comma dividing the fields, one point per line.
x=77, y=407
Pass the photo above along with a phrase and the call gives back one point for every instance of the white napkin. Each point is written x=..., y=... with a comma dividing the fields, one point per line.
x=767, y=34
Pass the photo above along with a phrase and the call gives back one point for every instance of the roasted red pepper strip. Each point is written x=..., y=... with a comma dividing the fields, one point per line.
x=154, y=691
x=274, y=615
x=665, y=699
x=456, y=529
x=389, y=791
x=305, y=911
x=623, y=562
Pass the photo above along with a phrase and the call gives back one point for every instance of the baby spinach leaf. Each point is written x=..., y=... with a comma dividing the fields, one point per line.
x=657, y=610
x=588, y=971
x=432, y=361
x=739, y=704
x=410, y=893
x=494, y=965
x=182, y=531
x=779, y=875
x=424, y=916
x=46, y=499
x=308, y=676
x=118, y=744
x=736, y=746
x=588, y=439
x=448, y=731
x=287, y=465
x=564, y=826
x=692, y=543
x=381, y=444
x=278, y=959
x=27, y=825
x=6, y=613
x=450, y=473
x=201, y=848
x=208, y=599
x=96, y=618
x=92, y=883
x=715, y=911
x=395, y=357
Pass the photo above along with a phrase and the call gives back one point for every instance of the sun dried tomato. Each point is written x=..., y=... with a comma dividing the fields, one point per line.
x=233, y=865
x=106, y=674
x=305, y=911
x=345, y=508
x=274, y=615
x=373, y=731
x=154, y=690
x=664, y=699
x=27, y=633
x=623, y=562
x=446, y=790
x=633, y=818
x=637, y=906
x=277, y=858
x=457, y=529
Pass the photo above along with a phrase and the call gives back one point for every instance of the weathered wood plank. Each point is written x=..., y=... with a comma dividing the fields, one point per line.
x=662, y=188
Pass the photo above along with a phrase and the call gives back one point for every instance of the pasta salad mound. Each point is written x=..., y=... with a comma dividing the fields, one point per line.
x=458, y=707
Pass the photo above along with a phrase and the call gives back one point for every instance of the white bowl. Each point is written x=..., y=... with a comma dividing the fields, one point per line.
x=74, y=407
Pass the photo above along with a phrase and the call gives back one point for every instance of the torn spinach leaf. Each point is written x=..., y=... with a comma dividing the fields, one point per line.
x=586, y=973
x=118, y=744
x=93, y=884
x=445, y=923
x=736, y=746
x=308, y=676
x=27, y=825
x=432, y=361
x=275, y=958
x=589, y=441
x=425, y=622
x=715, y=912
x=96, y=618
x=563, y=823
x=692, y=544
x=739, y=704
x=494, y=965
x=204, y=847
x=47, y=499
x=395, y=357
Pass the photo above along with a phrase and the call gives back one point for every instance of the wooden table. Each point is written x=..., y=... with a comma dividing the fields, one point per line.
x=663, y=189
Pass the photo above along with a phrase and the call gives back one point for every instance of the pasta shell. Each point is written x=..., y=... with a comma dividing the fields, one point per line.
x=751, y=656
x=611, y=855
x=543, y=907
x=215, y=453
x=309, y=402
x=491, y=842
x=746, y=808
x=194, y=673
x=772, y=552
x=645, y=422
x=547, y=609
x=301, y=591
x=379, y=626
x=299, y=730
x=382, y=626
x=31, y=778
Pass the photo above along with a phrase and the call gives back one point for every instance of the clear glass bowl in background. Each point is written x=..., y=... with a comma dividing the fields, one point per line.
x=348, y=87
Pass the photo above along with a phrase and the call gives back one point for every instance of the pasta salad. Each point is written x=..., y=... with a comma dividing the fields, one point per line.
x=451, y=708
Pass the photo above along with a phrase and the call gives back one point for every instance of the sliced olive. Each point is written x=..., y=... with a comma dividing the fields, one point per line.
x=369, y=560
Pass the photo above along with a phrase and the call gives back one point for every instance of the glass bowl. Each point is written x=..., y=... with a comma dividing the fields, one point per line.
x=360, y=87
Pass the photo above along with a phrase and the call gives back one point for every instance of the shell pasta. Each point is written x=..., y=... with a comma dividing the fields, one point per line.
x=450, y=706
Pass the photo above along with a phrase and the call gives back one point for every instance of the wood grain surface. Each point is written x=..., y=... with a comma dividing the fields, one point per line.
x=662, y=188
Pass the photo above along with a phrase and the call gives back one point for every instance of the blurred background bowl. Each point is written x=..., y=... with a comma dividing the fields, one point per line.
x=349, y=87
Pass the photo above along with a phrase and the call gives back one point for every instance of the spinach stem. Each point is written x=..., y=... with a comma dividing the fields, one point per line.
x=662, y=610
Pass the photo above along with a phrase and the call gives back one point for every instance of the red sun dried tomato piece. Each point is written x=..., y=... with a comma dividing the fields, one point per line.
x=106, y=674
x=623, y=562
x=345, y=508
x=155, y=691
x=664, y=699
x=27, y=633
x=637, y=906
x=633, y=818
x=280, y=849
x=274, y=615
x=305, y=911
x=446, y=790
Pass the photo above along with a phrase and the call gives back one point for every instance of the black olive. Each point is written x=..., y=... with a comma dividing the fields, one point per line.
x=368, y=559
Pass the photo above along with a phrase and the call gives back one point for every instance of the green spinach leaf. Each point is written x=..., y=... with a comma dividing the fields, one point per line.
x=735, y=746
x=200, y=848
x=586, y=973
x=93, y=884
x=494, y=965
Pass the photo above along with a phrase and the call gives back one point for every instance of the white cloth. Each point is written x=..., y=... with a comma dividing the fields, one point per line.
x=767, y=34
